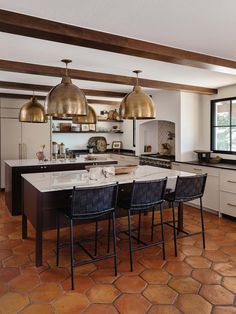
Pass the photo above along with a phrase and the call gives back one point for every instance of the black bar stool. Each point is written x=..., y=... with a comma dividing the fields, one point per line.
x=145, y=195
x=187, y=188
x=90, y=203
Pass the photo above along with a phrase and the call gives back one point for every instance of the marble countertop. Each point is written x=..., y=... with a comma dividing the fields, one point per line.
x=56, y=181
x=35, y=162
x=220, y=165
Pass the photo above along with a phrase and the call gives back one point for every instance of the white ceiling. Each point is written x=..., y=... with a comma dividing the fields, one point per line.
x=206, y=26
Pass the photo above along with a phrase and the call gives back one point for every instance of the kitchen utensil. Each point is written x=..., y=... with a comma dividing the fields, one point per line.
x=111, y=114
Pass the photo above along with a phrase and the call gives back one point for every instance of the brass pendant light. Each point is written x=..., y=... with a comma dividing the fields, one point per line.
x=91, y=117
x=66, y=99
x=137, y=104
x=33, y=112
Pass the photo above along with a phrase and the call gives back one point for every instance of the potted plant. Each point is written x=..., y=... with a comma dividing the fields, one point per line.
x=90, y=148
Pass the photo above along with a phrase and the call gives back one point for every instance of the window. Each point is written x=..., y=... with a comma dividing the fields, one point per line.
x=223, y=126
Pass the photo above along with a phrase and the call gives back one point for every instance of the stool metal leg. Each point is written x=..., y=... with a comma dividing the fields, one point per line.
x=203, y=228
x=139, y=226
x=114, y=241
x=174, y=224
x=96, y=239
x=130, y=242
x=72, y=254
x=162, y=233
x=58, y=238
x=109, y=233
x=153, y=216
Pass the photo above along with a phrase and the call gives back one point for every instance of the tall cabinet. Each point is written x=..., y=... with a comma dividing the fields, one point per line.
x=20, y=140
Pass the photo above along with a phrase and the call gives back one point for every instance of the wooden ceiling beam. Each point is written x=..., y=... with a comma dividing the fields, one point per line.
x=46, y=88
x=26, y=25
x=45, y=70
x=40, y=97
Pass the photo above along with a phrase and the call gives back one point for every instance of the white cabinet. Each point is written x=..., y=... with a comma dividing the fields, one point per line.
x=10, y=143
x=20, y=140
x=211, y=197
x=228, y=192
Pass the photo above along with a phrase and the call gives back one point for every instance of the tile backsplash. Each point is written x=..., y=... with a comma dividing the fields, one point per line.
x=164, y=127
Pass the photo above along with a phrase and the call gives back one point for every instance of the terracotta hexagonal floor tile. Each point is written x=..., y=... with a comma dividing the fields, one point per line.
x=72, y=303
x=193, y=304
x=206, y=276
x=101, y=308
x=24, y=283
x=85, y=269
x=24, y=248
x=178, y=268
x=184, y=284
x=103, y=293
x=38, y=309
x=13, y=302
x=210, y=245
x=45, y=292
x=10, y=244
x=8, y=273
x=132, y=304
x=224, y=310
x=54, y=275
x=16, y=261
x=230, y=283
x=104, y=275
x=82, y=283
x=153, y=262
x=217, y=295
x=216, y=256
x=225, y=269
x=230, y=250
x=3, y=288
x=124, y=267
x=4, y=254
x=160, y=294
x=198, y=262
x=190, y=250
x=156, y=276
x=130, y=284
x=231, y=235
x=164, y=309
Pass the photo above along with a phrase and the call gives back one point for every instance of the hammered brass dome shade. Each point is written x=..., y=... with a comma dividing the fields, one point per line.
x=137, y=104
x=66, y=99
x=91, y=117
x=32, y=111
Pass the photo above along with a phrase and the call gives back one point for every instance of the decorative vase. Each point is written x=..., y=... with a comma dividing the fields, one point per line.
x=90, y=150
x=40, y=156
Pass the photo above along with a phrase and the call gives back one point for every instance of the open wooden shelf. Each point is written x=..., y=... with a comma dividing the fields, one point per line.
x=120, y=132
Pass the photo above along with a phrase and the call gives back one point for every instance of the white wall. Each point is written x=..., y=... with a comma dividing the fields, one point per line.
x=189, y=125
x=205, y=116
x=168, y=107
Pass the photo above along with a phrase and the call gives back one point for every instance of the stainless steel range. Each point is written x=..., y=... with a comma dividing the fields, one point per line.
x=157, y=160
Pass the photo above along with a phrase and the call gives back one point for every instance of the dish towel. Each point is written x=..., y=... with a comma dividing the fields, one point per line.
x=96, y=173
x=109, y=171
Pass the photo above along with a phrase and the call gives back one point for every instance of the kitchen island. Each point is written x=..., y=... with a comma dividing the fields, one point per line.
x=14, y=169
x=44, y=194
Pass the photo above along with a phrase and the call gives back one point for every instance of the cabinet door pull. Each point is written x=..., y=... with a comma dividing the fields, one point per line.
x=197, y=169
x=231, y=181
x=230, y=204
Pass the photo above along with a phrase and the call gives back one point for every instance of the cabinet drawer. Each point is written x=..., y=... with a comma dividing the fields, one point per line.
x=228, y=181
x=200, y=169
x=228, y=203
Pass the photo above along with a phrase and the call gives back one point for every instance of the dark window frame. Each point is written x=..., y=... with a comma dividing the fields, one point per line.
x=213, y=126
